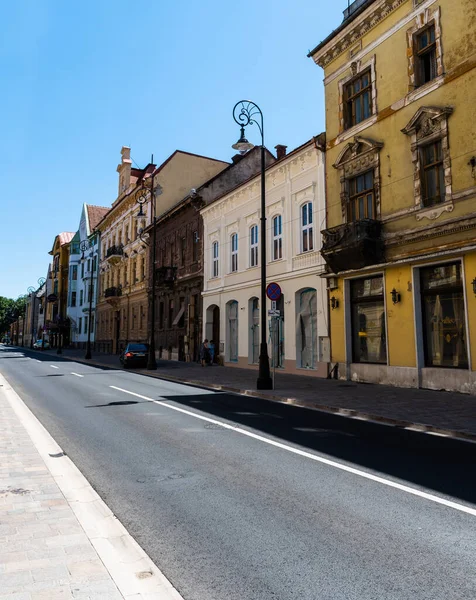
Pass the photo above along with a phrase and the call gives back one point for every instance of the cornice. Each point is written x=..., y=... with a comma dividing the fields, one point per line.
x=375, y=13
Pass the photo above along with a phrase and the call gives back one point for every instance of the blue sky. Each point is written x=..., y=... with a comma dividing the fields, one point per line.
x=81, y=79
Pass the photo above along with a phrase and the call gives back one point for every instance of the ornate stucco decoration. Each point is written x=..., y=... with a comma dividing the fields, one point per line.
x=375, y=13
x=359, y=156
x=430, y=124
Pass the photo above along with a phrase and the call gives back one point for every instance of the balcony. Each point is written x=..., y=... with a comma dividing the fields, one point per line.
x=114, y=254
x=353, y=245
x=166, y=275
x=112, y=294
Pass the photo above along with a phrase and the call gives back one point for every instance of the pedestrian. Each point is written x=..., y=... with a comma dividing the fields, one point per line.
x=204, y=353
x=211, y=349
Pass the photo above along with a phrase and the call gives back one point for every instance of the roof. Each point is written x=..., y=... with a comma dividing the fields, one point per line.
x=95, y=214
x=351, y=13
x=65, y=237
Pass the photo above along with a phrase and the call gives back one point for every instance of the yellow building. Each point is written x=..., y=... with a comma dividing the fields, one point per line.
x=57, y=324
x=399, y=241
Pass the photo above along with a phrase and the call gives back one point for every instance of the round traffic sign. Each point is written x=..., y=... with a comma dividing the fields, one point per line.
x=273, y=291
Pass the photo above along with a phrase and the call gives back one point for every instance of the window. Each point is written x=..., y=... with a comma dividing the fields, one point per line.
x=307, y=238
x=444, y=324
x=55, y=287
x=254, y=246
x=73, y=298
x=126, y=234
x=361, y=197
x=94, y=263
x=125, y=275
x=82, y=269
x=74, y=274
x=306, y=328
x=195, y=246
x=432, y=174
x=234, y=252
x=161, y=315
x=277, y=238
x=425, y=56
x=80, y=324
x=358, y=99
x=171, y=313
x=215, y=259
x=183, y=248
x=81, y=297
x=232, y=314
x=143, y=268
x=141, y=314
x=369, y=343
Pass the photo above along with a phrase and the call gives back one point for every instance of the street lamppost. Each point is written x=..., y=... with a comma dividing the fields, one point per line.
x=89, y=245
x=246, y=113
x=141, y=199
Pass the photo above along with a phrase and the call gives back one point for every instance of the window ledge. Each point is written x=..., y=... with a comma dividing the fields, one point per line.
x=352, y=131
x=424, y=89
x=251, y=268
x=433, y=212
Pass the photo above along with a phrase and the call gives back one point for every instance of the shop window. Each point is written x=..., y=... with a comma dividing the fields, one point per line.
x=361, y=202
x=306, y=328
x=369, y=340
x=443, y=311
x=358, y=99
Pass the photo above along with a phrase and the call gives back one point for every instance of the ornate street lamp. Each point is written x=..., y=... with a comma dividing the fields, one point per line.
x=84, y=247
x=142, y=197
x=246, y=113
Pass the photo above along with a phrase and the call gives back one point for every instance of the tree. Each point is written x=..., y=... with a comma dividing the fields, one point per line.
x=10, y=310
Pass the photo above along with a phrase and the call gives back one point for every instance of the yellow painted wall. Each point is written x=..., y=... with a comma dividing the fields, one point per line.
x=400, y=320
x=470, y=274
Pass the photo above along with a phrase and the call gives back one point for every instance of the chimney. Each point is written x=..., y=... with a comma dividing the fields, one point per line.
x=236, y=159
x=124, y=169
x=280, y=151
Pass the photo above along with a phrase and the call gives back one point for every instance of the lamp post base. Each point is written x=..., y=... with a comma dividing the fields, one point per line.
x=152, y=366
x=264, y=381
x=88, y=356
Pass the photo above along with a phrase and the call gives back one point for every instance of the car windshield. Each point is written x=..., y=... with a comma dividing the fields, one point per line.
x=137, y=348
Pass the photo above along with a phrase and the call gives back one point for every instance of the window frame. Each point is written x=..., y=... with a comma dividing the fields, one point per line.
x=354, y=196
x=349, y=100
x=277, y=238
x=234, y=253
x=435, y=166
x=419, y=55
x=254, y=244
x=215, y=259
x=307, y=229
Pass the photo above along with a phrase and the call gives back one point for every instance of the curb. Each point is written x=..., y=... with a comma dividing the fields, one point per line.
x=350, y=413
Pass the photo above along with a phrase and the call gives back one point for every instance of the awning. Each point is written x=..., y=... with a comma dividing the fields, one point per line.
x=179, y=315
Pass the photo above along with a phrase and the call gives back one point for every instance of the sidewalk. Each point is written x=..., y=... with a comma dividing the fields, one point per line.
x=58, y=540
x=447, y=413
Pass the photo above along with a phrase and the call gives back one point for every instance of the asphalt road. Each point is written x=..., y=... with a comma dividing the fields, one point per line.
x=240, y=499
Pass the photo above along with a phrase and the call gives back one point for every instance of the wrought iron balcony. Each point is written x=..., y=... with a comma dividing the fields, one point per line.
x=112, y=292
x=353, y=245
x=166, y=275
x=115, y=253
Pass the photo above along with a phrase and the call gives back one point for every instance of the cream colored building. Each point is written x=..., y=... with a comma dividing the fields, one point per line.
x=295, y=213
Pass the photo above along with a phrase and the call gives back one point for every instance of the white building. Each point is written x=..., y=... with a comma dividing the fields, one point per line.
x=295, y=213
x=83, y=270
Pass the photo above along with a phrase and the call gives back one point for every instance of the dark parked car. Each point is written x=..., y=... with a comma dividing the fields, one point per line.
x=135, y=355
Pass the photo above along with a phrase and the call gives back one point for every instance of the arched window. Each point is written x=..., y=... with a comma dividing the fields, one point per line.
x=277, y=237
x=307, y=237
x=215, y=259
x=234, y=252
x=254, y=246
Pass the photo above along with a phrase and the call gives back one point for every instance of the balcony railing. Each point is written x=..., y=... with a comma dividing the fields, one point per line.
x=353, y=245
x=112, y=292
x=115, y=251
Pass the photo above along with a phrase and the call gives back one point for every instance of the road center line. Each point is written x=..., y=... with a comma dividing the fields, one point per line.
x=325, y=461
x=53, y=367
x=77, y=374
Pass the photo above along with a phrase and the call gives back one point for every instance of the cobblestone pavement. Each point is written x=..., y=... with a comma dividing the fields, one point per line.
x=44, y=552
x=448, y=412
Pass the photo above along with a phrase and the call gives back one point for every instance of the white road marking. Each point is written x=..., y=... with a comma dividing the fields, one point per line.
x=77, y=374
x=37, y=360
x=325, y=461
x=53, y=367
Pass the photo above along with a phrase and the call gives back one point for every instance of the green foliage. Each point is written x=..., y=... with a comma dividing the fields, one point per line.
x=10, y=310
